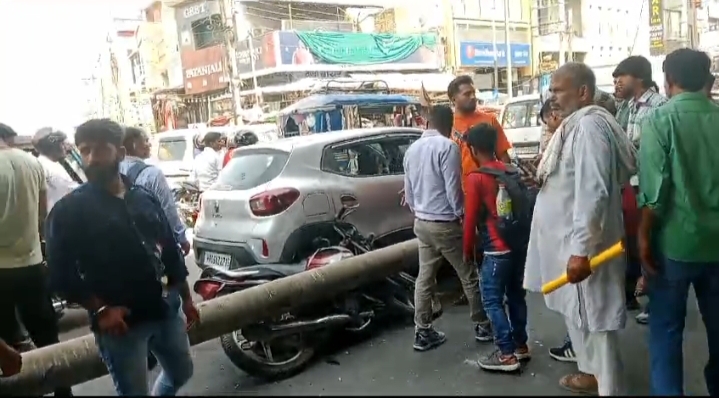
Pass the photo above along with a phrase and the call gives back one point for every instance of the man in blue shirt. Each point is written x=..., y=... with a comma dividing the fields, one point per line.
x=111, y=249
x=137, y=147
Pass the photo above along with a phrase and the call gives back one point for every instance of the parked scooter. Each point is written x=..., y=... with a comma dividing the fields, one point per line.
x=284, y=346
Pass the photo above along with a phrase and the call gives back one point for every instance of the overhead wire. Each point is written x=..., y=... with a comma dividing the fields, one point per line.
x=636, y=33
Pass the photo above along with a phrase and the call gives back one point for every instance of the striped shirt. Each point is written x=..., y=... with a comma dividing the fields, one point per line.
x=639, y=109
x=433, y=178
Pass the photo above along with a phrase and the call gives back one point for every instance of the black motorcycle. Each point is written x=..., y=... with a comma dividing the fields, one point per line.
x=284, y=346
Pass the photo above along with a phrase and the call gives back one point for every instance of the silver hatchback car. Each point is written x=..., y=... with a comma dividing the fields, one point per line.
x=273, y=199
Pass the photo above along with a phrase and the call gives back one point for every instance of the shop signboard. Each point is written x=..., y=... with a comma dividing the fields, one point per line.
x=477, y=53
x=656, y=27
x=204, y=70
x=261, y=53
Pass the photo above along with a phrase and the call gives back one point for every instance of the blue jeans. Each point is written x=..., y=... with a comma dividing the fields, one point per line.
x=502, y=275
x=668, y=303
x=126, y=356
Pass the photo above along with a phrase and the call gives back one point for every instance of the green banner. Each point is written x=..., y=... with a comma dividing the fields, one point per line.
x=364, y=48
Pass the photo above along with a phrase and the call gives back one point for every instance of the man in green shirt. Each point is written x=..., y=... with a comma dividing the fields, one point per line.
x=679, y=197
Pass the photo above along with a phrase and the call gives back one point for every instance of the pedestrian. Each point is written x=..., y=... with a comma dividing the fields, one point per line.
x=463, y=95
x=432, y=186
x=622, y=114
x=634, y=75
x=23, y=283
x=679, y=200
x=208, y=163
x=106, y=236
x=137, y=146
x=51, y=147
x=503, y=244
x=578, y=215
x=551, y=121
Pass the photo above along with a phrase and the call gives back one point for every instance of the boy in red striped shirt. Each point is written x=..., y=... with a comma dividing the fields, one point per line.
x=502, y=270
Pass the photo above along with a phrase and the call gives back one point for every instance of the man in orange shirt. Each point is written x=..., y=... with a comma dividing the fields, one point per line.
x=466, y=115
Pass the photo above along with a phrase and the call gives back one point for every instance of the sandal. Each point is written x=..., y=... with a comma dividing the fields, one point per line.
x=580, y=383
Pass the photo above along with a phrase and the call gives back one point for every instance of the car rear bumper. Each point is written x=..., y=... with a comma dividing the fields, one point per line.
x=241, y=253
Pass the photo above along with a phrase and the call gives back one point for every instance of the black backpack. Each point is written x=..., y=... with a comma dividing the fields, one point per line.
x=515, y=232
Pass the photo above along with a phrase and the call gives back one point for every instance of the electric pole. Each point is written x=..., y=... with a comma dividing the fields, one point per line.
x=563, y=27
x=230, y=35
x=494, y=47
x=692, y=22
x=507, y=43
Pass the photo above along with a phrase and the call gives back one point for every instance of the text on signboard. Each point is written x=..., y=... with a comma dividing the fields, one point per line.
x=203, y=70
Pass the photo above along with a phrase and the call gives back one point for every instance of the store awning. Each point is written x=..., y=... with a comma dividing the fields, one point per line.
x=305, y=84
x=433, y=82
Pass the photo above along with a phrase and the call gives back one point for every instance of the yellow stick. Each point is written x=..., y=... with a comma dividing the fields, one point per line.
x=613, y=252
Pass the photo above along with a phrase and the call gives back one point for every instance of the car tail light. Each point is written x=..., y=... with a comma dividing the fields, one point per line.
x=207, y=289
x=273, y=202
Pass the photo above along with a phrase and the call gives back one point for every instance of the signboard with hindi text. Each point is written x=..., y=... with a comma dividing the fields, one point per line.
x=656, y=28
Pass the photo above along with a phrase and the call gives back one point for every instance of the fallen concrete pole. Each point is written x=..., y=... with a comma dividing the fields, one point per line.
x=77, y=361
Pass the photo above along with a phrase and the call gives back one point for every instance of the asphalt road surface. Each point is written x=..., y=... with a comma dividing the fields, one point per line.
x=387, y=365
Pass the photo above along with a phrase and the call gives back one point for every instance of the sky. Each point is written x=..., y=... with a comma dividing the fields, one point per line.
x=46, y=48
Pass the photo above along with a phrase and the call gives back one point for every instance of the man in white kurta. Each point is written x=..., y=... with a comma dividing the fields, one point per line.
x=578, y=214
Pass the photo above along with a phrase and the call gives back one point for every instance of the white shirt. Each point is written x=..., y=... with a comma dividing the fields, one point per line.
x=206, y=168
x=57, y=180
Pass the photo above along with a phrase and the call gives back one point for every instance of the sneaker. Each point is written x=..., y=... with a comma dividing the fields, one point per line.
x=498, y=362
x=426, y=339
x=565, y=353
x=522, y=353
x=483, y=333
x=642, y=318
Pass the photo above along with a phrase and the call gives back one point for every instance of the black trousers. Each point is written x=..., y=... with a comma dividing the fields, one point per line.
x=26, y=289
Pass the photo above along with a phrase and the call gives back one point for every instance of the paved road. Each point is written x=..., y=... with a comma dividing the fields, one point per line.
x=386, y=364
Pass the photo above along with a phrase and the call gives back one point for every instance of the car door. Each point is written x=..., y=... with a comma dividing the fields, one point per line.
x=368, y=173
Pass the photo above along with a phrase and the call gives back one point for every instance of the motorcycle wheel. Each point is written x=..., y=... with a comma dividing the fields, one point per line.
x=258, y=359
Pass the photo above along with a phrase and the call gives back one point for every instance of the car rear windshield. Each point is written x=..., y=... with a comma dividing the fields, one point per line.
x=170, y=149
x=251, y=168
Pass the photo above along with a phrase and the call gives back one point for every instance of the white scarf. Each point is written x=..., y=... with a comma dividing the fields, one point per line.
x=626, y=152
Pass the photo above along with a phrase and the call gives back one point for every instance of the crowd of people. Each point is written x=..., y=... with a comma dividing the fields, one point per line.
x=635, y=166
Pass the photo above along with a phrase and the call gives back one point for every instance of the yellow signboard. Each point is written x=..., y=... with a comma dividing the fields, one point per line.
x=656, y=27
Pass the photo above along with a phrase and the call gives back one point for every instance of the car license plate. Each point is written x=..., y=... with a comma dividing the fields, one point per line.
x=219, y=260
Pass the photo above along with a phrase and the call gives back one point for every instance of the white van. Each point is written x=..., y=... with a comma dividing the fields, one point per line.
x=173, y=151
x=520, y=120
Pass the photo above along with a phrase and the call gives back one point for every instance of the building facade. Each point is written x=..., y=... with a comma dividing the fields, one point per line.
x=284, y=48
x=597, y=33
x=475, y=28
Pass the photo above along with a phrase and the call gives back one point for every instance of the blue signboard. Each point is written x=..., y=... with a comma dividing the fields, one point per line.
x=479, y=53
